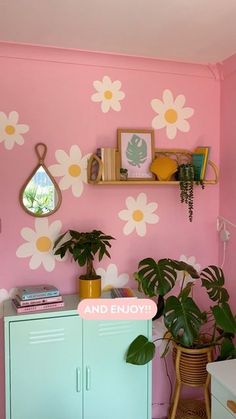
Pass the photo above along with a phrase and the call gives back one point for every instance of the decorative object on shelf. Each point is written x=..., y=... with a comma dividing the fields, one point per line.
x=83, y=248
x=40, y=196
x=123, y=174
x=136, y=148
x=189, y=328
x=163, y=167
x=94, y=168
x=186, y=181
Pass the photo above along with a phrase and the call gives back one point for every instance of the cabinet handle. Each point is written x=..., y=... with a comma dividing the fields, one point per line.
x=78, y=380
x=88, y=378
x=231, y=405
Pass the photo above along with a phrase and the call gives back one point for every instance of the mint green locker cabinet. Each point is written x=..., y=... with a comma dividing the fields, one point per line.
x=46, y=368
x=113, y=388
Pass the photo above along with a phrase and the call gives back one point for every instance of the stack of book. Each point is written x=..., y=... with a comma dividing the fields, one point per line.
x=199, y=159
x=36, y=298
x=110, y=163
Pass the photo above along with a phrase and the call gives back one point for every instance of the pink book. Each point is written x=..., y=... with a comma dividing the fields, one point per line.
x=24, y=303
x=38, y=307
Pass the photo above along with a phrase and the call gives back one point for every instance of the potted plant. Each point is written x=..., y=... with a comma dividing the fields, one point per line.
x=84, y=247
x=194, y=333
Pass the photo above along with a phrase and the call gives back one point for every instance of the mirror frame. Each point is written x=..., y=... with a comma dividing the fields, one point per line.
x=41, y=157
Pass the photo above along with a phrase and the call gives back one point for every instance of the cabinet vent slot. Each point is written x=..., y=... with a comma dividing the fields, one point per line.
x=45, y=336
x=114, y=328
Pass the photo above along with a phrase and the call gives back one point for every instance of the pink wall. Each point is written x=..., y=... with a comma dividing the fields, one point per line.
x=227, y=164
x=51, y=91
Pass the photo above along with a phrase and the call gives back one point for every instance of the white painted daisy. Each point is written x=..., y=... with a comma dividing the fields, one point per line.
x=5, y=295
x=190, y=261
x=111, y=278
x=171, y=114
x=10, y=131
x=138, y=214
x=72, y=168
x=39, y=244
x=108, y=93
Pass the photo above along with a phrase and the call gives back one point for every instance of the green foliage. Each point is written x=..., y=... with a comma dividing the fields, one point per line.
x=84, y=247
x=136, y=151
x=183, y=318
x=140, y=351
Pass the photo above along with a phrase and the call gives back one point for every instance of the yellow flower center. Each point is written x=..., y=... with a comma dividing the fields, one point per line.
x=171, y=116
x=43, y=244
x=108, y=94
x=9, y=129
x=74, y=170
x=137, y=215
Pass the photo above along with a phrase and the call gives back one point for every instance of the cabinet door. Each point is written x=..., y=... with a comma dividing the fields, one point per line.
x=113, y=388
x=45, y=368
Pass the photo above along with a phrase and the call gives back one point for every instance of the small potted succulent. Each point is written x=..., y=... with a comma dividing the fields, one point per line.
x=84, y=247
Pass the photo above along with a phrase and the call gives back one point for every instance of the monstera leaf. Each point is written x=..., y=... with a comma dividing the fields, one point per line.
x=136, y=151
x=213, y=280
x=156, y=278
x=224, y=318
x=140, y=351
x=183, y=318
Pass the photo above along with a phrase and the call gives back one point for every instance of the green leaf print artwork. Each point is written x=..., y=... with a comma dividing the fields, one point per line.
x=136, y=151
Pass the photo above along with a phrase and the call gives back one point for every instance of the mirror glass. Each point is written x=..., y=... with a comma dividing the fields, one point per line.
x=40, y=196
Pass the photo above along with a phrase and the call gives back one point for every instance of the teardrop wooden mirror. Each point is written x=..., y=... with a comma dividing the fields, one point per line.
x=40, y=196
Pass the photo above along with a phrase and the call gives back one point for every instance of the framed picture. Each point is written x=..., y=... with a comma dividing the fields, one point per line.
x=136, y=148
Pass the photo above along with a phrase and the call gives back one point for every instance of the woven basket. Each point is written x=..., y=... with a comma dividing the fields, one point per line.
x=190, y=365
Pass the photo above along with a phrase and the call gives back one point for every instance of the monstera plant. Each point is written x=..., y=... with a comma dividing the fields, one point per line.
x=186, y=323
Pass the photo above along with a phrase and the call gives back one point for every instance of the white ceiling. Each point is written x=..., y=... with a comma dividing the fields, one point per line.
x=202, y=31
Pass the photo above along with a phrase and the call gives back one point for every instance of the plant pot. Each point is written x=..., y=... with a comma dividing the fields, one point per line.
x=89, y=288
x=190, y=370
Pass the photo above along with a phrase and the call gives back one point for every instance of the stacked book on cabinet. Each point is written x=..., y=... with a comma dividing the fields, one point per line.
x=37, y=298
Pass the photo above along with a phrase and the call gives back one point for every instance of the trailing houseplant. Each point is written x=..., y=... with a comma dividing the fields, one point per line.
x=188, y=325
x=186, y=177
x=84, y=247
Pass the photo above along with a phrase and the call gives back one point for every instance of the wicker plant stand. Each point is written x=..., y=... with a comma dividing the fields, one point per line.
x=190, y=370
x=191, y=409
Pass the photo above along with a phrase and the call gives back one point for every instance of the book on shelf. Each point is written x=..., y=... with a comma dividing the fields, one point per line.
x=122, y=293
x=108, y=158
x=197, y=161
x=39, y=291
x=38, y=307
x=203, y=150
x=37, y=301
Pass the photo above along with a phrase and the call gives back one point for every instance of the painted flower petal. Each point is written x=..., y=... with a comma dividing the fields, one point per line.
x=124, y=214
x=28, y=233
x=171, y=131
x=13, y=117
x=57, y=170
x=183, y=126
x=157, y=105
x=180, y=101
x=77, y=189
x=22, y=128
x=75, y=154
x=168, y=97
x=128, y=227
x=61, y=156
x=158, y=122
x=25, y=250
x=141, y=229
x=35, y=261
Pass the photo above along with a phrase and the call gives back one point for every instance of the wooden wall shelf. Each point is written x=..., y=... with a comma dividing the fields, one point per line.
x=180, y=155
